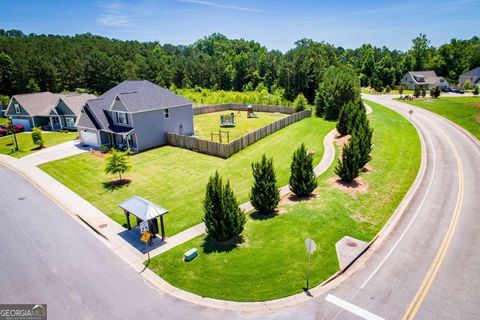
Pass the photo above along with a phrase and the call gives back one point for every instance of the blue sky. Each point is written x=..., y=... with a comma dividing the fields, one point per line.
x=275, y=24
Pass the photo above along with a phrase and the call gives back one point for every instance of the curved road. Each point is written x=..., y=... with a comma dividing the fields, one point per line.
x=426, y=268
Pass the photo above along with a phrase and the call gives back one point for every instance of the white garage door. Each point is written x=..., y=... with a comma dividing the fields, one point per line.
x=89, y=138
x=22, y=122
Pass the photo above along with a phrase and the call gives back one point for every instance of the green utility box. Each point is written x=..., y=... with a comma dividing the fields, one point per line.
x=190, y=254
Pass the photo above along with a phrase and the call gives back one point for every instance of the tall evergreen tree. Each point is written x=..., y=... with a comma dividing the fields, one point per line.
x=302, y=176
x=344, y=119
x=264, y=195
x=362, y=138
x=347, y=167
x=224, y=220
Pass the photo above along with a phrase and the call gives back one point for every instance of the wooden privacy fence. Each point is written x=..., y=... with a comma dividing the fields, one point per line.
x=241, y=107
x=226, y=150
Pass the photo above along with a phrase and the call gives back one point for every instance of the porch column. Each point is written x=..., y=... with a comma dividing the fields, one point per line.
x=60, y=120
x=128, y=142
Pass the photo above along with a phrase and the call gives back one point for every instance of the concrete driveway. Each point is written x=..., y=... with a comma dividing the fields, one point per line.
x=59, y=151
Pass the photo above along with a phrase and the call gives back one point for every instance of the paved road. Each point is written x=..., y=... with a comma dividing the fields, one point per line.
x=48, y=257
x=428, y=268
x=431, y=258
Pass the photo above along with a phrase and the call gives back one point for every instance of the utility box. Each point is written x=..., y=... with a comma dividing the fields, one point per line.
x=190, y=254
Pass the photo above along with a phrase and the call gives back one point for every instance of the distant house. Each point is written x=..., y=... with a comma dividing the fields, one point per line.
x=423, y=80
x=473, y=76
x=135, y=114
x=50, y=111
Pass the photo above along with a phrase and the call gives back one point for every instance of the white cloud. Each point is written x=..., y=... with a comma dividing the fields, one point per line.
x=219, y=5
x=119, y=13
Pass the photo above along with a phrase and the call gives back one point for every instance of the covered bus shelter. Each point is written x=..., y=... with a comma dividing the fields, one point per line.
x=144, y=210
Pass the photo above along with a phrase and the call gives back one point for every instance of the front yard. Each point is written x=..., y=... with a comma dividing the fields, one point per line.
x=210, y=122
x=175, y=178
x=25, y=143
x=271, y=262
x=464, y=111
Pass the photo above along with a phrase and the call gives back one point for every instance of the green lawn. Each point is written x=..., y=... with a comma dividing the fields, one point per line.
x=206, y=123
x=175, y=178
x=4, y=120
x=464, y=111
x=272, y=261
x=393, y=91
x=26, y=146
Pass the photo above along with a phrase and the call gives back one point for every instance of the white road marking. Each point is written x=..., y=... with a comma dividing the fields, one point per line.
x=430, y=183
x=356, y=310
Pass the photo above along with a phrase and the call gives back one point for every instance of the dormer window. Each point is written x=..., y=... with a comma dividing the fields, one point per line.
x=122, y=117
x=17, y=108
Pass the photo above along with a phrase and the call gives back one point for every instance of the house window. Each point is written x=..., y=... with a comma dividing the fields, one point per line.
x=70, y=122
x=122, y=118
x=17, y=108
x=166, y=113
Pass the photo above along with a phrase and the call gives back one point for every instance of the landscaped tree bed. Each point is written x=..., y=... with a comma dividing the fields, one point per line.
x=271, y=262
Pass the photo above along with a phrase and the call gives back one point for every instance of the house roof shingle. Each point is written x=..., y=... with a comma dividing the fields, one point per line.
x=430, y=77
x=472, y=73
x=136, y=96
x=141, y=95
x=42, y=103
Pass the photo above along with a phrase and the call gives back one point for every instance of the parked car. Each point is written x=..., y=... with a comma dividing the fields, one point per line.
x=459, y=91
x=3, y=131
x=447, y=89
x=18, y=128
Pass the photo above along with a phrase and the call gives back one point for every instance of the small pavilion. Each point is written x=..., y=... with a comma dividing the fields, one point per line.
x=144, y=210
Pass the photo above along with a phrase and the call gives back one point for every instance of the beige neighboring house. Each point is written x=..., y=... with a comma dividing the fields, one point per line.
x=473, y=76
x=423, y=80
x=50, y=111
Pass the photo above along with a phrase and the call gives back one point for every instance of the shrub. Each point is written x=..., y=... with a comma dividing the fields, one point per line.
x=350, y=115
x=400, y=90
x=416, y=92
x=104, y=149
x=264, y=195
x=300, y=103
x=37, y=137
x=467, y=85
x=302, y=177
x=476, y=90
x=117, y=162
x=388, y=89
x=435, y=92
x=223, y=219
x=424, y=92
x=347, y=166
x=339, y=86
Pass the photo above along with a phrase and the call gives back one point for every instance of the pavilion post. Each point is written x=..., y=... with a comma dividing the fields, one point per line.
x=163, y=227
x=128, y=219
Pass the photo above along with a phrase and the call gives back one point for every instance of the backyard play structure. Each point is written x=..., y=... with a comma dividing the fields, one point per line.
x=227, y=120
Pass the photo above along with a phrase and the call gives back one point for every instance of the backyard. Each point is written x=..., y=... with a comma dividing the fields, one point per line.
x=464, y=111
x=207, y=123
x=271, y=262
x=175, y=178
x=25, y=143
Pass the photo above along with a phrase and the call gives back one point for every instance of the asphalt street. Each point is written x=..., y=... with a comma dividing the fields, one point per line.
x=427, y=268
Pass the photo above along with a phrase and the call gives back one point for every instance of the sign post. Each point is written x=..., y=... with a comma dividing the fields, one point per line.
x=311, y=247
x=145, y=231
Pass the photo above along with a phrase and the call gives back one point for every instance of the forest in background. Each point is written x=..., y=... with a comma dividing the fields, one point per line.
x=86, y=62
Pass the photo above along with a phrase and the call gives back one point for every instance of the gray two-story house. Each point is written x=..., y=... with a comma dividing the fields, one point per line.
x=136, y=115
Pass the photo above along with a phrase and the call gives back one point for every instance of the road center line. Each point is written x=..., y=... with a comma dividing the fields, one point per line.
x=443, y=249
x=356, y=310
x=430, y=183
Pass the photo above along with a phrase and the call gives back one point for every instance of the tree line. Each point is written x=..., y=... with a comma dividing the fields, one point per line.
x=86, y=62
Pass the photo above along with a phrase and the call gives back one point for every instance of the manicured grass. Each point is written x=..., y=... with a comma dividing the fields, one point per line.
x=393, y=91
x=4, y=120
x=206, y=123
x=25, y=143
x=464, y=111
x=271, y=262
x=175, y=178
